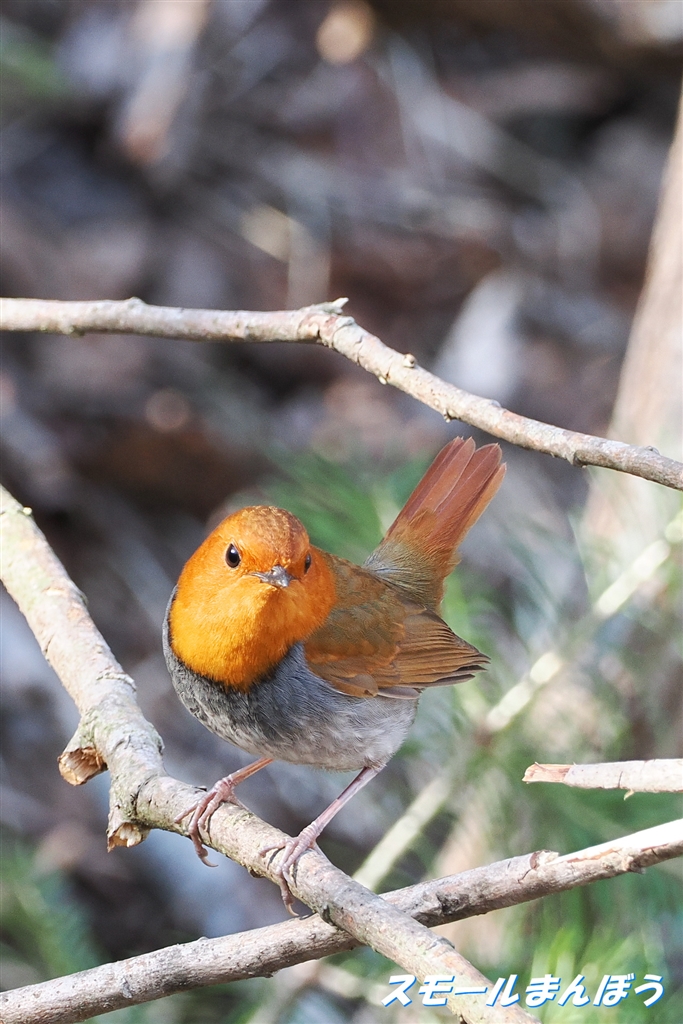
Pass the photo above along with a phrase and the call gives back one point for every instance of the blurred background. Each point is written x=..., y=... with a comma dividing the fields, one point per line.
x=481, y=180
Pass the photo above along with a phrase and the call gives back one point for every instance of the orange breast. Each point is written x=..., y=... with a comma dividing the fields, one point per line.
x=234, y=630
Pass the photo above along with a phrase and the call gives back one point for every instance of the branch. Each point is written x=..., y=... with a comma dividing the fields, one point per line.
x=325, y=325
x=114, y=733
x=263, y=951
x=660, y=776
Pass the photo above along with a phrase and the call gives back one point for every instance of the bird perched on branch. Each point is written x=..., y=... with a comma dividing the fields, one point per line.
x=295, y=655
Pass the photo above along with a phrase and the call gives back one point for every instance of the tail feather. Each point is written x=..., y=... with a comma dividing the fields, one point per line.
x=420, y=548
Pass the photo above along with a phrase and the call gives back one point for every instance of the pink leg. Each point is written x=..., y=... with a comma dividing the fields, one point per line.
x=222, y=792
x=306, y=840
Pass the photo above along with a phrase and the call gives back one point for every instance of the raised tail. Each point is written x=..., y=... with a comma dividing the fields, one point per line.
x=420, y=547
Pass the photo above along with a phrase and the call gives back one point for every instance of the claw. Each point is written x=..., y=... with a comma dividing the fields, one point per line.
x=202, y=810
x=293, y=849
x=223, y=792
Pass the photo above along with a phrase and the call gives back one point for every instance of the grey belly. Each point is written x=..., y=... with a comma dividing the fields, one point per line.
x=294, y=715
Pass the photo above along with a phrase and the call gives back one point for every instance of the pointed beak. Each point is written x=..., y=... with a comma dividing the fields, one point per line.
x=277, y=577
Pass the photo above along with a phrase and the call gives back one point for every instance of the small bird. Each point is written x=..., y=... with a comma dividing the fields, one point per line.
x=295, y=655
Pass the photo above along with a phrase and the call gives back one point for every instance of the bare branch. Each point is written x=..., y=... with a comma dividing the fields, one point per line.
x=102, y=691
x=263, y=951
x=660, y=776
x=325, y=325
x=114, y=732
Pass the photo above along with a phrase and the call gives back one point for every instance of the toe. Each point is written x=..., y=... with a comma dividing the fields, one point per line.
x=190, y=810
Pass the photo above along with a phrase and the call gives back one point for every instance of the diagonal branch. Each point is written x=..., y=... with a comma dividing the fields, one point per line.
x=658, y=776
x=263, y=951
x=325, y=325
x=114, y=733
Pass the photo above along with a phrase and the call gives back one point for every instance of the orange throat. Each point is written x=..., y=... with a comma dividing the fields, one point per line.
x=235, y=632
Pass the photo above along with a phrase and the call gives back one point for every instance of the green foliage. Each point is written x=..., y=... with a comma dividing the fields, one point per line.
x=341, y=511
x=46, y=934
x=43, y=931
x=27, y=69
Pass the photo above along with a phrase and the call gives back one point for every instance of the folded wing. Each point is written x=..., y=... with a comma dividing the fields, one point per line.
x=377, y=640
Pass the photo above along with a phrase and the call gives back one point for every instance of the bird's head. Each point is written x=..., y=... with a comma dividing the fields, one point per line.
x=255, y=587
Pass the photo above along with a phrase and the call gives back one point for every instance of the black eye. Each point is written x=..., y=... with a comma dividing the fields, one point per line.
x=233, y=557
x=307, y=563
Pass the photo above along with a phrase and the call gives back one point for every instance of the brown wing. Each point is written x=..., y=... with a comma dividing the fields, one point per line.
x=376, y=640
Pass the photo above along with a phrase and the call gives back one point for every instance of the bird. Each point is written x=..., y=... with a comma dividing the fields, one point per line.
x=293, y=654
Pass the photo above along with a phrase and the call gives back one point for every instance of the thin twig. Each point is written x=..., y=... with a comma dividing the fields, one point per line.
x=659, y=776
x=262, y=951
x=113, y=733
x=326, y=325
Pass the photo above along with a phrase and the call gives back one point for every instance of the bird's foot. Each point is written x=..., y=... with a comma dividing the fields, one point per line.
x=292, y=849
x=201, y=811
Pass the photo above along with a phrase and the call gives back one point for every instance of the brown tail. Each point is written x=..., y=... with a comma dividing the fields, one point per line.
x=419, y=549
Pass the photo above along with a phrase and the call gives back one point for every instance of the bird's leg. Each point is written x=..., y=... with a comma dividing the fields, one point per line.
x=222, y=792
x=306, y=840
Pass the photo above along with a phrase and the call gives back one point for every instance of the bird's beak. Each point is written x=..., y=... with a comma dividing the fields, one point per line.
x=277, y=577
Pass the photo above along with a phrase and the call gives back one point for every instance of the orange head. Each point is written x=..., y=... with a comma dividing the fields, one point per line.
x=254, y=588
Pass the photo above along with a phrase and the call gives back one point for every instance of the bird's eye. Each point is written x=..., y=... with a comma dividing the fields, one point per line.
x=233, y=557
x=307, y=563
